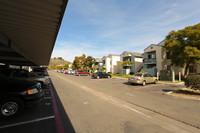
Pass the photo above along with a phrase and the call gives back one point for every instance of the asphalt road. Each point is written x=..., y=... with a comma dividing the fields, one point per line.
x=114, y=106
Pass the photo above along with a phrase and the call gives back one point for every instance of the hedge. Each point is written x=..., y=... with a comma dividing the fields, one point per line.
x=193, y=82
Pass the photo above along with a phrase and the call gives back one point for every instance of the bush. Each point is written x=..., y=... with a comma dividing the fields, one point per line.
x=131, y=73
x=193, y=82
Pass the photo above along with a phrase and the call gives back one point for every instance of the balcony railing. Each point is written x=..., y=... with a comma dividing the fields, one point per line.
x=146, y=60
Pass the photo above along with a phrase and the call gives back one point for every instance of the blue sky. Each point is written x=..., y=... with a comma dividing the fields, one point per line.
x=101, y=27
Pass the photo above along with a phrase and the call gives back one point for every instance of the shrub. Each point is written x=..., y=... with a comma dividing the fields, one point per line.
x=131, y=73
x=193, y=82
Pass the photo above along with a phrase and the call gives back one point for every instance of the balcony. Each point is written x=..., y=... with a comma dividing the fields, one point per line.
x=151, y=71
x=149, y=61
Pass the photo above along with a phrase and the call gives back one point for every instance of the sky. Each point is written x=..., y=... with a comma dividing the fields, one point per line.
x=98, y=28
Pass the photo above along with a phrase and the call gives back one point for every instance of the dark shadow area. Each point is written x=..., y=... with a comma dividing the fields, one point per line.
x=131, y=84
x=168, y=90
x=187, y=92
x=68, y=127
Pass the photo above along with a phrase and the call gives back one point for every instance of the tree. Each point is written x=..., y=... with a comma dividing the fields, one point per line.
x=184, y=46
x=94, y=68
x=79, y=62
x=59, y=67
x=126, y=63
x=66, y=66
x=89, y=62
x=103, y=68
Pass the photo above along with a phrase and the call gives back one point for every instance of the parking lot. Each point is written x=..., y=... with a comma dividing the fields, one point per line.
x=51, y=116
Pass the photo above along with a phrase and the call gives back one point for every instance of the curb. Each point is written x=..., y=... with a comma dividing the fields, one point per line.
x=159, y=82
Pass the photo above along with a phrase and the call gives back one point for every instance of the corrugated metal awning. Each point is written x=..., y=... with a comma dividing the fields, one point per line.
x=28, y=30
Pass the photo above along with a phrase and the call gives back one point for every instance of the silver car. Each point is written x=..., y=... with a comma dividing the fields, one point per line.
x=142, y=78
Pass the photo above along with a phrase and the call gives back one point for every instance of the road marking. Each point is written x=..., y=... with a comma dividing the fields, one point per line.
x=27, y=122
x=136, y=111
x=129, y=94
x=47, y=97
x=85, y=102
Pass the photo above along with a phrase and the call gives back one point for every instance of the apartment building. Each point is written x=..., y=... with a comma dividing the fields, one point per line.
x=110, y=62
x=156, y=58
x=136, y=60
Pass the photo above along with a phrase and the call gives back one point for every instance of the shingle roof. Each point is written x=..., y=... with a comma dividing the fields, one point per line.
x=133, y=53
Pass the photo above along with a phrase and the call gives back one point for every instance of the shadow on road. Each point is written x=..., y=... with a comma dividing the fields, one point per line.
x=168, y=90
x=68, y=127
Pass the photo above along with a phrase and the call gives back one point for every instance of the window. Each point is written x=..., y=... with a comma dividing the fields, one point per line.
x=168, y=55
x=149, y=56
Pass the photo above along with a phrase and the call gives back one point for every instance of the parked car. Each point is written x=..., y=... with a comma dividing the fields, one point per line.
x=79, y=73
x=25, y=75
x=16, y=94
x=98, y=75
x=40, y=71
x=66, y=71
x=142, y=78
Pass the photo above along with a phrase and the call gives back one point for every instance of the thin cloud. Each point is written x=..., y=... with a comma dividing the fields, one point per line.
x=99, y=28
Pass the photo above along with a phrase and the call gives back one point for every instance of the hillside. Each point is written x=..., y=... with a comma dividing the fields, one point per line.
x=58, y=61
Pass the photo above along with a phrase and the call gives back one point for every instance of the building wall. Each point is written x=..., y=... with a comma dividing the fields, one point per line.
x=107, y=64
x=114, y=65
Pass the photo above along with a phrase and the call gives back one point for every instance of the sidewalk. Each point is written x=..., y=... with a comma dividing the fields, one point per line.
x=161, y=82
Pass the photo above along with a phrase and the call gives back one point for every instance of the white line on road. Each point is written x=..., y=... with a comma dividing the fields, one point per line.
x=47, y=98
x=129, y=94
x=136, y=111
x=27, y=122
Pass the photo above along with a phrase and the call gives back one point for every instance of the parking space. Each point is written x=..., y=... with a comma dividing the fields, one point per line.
x=34, y=119
x=159, y=88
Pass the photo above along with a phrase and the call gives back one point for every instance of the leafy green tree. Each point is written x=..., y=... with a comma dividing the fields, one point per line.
x=89, y=62
x=59, y=67
x=103, y=68
x=66, y=66
x=94, y=68
x=126, y=63
x=184, y=46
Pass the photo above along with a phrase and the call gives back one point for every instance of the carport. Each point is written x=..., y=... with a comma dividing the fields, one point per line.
x=28, y=30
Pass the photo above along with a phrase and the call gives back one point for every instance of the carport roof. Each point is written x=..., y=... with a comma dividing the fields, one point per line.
x=28, y=30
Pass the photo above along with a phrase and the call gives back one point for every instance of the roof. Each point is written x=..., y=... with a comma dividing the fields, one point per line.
x=160, y=44
x=132, y=53
x=113, y=55
x=28, y=30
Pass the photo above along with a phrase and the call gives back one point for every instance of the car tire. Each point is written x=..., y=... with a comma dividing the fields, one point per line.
x=156, y=81
x=109, y=76
x=11, y=107
x=144, y=83
x=98, y=77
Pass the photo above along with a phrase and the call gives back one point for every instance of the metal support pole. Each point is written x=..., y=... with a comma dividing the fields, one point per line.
x=157, y=75
x=173, y=76
x=179, y=76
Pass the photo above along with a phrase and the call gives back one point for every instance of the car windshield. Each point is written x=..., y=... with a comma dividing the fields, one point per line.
x=138, y=74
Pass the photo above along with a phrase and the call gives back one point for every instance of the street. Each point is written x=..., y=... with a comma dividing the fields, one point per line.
x=114, y=106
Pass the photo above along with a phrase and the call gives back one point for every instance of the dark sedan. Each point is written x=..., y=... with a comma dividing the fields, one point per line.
x=15, y=95
x=98, y=75
x=24, y=75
